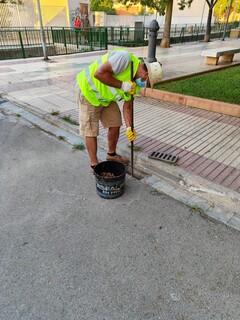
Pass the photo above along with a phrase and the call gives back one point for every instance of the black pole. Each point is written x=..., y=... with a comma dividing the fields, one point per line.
x=132, y=122
x=152, y=40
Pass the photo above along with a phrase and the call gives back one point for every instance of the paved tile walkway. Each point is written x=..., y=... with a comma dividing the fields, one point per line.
x=207, y=143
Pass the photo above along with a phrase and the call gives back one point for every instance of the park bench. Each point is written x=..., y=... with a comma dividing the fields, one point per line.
x=213, y=55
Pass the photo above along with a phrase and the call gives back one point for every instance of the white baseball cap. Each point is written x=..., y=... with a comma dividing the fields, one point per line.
x=155, y=71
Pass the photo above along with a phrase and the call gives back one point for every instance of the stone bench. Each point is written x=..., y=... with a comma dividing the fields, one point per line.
x=213, y=55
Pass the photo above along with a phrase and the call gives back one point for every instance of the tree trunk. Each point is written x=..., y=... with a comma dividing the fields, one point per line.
x=211, y=4
x=165, y=43
x=208, y=28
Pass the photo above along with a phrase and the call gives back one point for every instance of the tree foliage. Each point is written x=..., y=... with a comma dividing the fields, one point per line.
x=184, y=3
x=12, y=1
x=159, y=5
x=162, y=7
x=221, y=7
x=103, y=5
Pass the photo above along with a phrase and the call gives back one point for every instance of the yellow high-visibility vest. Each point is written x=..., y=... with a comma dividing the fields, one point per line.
x=98, y=93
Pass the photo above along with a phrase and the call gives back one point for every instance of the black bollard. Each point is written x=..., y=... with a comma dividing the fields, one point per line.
x=152, y=40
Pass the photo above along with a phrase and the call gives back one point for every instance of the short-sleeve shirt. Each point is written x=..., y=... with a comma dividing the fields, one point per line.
x=119, y=60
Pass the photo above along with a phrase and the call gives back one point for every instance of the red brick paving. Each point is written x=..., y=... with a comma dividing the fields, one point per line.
x=225, y=173
x=209, y=169
x=232, y=179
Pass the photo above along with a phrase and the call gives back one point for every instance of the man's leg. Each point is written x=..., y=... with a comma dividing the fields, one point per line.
x=91, y=144
x=89, y=122
x=111, y=119
x=113, y=135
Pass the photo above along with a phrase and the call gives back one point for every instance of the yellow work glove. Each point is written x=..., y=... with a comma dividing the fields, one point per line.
x=129, y=87
x=131, y=135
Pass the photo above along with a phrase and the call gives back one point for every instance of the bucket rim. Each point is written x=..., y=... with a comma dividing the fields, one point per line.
x=110, y=161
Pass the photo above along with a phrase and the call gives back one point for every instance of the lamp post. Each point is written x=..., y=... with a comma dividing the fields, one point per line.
x=42, y=32
x=226, y=23
x=202, y=14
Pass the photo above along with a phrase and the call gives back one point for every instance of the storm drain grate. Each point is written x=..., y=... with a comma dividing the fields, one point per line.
x=167, y=157
x=2, y=101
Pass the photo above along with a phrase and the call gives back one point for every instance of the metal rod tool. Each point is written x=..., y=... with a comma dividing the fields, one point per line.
x=132, y=122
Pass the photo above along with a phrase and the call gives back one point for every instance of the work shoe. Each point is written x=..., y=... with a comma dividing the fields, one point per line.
x=117, y=158
x=93, y=167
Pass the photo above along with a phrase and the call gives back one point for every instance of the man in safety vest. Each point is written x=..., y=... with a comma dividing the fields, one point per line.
x=101, y=85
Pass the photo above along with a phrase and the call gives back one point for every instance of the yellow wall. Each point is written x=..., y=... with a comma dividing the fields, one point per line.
x=54, y=12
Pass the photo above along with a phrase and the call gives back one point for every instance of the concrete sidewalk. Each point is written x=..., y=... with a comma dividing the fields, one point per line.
x=207, y=174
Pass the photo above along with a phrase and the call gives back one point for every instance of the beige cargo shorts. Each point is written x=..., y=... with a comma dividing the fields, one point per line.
x=89, y=116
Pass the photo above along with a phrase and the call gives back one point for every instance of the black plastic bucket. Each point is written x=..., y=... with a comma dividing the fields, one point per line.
x=110, y=179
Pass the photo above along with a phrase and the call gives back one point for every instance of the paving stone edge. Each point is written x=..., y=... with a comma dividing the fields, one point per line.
x=166, y=179
x=195, y=102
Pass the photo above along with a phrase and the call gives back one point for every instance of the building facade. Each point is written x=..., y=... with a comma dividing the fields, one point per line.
x=61, y=13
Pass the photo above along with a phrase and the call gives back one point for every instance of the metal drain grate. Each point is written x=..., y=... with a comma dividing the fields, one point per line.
x=2, y=101
x=167, y=157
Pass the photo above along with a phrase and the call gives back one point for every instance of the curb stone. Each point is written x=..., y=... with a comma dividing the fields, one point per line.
x=164, y=181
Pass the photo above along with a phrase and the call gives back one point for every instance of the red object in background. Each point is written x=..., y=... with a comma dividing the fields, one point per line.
x=77, y=23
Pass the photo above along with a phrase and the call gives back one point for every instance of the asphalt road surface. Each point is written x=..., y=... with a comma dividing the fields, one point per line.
x=66, y=253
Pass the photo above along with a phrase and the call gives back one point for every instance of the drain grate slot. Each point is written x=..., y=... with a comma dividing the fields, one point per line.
x=2, y=101
x=162, y=156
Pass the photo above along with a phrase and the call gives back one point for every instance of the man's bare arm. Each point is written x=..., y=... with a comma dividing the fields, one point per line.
x=105, y=75
x=127, y=113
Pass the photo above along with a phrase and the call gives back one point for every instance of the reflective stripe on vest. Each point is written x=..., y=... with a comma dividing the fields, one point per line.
x=93, y=87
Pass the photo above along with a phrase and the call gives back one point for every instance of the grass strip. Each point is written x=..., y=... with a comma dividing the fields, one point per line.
x=222, y=85
x=69, y=120
x=79, y=146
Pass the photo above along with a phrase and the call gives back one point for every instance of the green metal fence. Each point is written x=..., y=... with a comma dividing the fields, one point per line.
x=127, y=36
x=187, y=33
x=27, y=42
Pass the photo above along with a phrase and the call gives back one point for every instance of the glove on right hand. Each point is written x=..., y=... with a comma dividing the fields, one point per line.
x=131, y=135
x=129, y=87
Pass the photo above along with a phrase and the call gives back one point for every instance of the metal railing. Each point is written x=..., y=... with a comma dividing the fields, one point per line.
x=127, y=36
x=26, y=42
x=190, y=33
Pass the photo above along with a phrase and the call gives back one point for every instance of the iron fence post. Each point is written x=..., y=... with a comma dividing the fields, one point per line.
x=52, y=35
x=48, y=36
x=90, y=38
x=182, y=35
x=112, y=34
x=22, y=46
x=121, y=34
x=106, y=39
x=64, y=39
x=76, y=36
x=26, y=33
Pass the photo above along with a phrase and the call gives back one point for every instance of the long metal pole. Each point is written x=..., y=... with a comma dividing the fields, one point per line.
x=42, y=31
x=225, y=27
x=132, y=124
x=202, y=14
